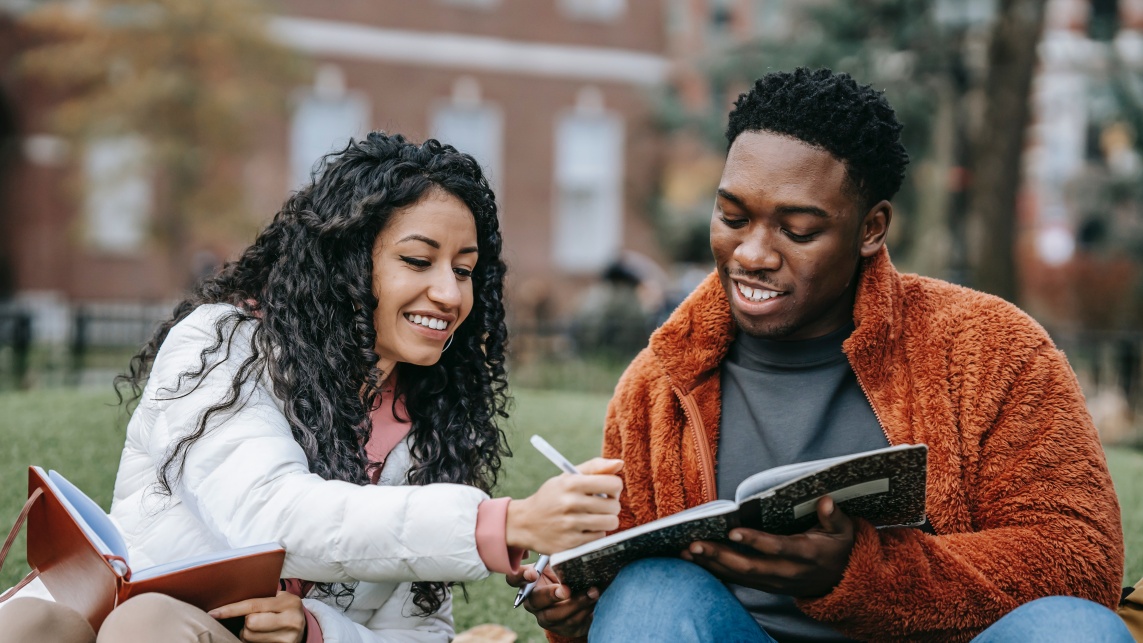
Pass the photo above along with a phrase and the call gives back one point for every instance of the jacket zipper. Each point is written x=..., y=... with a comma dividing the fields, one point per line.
x=869, y=399
x=881, y=424
x=705, y=457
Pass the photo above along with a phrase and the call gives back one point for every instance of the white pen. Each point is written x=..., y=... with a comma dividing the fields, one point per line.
x=567, y=467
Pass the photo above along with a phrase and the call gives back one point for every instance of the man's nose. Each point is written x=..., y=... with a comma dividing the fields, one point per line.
x=758, y=252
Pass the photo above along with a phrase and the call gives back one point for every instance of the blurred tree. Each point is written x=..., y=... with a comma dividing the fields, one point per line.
x=901, y=46
x=997, y=167
x=958, y=73
x=192, y=80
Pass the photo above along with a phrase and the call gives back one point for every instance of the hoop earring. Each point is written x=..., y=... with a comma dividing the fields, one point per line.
x=448, y=343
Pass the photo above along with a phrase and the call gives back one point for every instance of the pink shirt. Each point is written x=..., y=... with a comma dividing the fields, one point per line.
x=491, y=516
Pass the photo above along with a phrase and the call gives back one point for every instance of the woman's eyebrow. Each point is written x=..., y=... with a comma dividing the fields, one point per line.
x=434, y=243
x=422, y=238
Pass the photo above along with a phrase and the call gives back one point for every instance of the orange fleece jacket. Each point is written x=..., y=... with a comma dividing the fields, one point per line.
x=1018, y=489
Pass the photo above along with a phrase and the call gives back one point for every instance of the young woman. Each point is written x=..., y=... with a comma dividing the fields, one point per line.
x=336, y=390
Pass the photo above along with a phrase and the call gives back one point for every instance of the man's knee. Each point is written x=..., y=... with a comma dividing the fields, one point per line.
x=1059, y=618
x=670, y=599
x=661, y=579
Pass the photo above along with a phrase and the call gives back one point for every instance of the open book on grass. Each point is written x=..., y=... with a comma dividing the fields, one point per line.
x=884, y=486
x=82, y=559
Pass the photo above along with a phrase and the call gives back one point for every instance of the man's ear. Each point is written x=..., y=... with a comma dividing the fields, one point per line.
x=875, y=227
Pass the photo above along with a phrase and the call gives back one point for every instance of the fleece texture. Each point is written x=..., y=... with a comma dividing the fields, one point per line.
x=1018, y=490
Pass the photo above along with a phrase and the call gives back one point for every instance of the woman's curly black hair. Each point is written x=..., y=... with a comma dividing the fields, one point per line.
x=831, y=111
x=305, y=287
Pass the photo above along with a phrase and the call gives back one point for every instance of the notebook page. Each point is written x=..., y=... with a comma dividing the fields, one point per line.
x=91, y=517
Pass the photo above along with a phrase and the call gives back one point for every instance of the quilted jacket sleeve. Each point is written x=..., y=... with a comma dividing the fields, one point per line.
x=1042, y=519
x=248, y=481
x=391, y=624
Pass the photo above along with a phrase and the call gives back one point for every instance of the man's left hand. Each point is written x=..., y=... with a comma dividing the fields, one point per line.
x=802, y=565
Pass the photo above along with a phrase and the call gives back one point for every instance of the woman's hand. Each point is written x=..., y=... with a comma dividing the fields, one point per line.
x=268, y=620
x=568, y=510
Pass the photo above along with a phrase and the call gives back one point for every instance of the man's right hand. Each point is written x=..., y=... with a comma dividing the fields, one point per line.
x=555, y=607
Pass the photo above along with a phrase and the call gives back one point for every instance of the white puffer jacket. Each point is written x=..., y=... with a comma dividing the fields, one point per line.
x=247, y=482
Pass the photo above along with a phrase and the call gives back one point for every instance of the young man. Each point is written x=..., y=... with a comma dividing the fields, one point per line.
x=806, y=343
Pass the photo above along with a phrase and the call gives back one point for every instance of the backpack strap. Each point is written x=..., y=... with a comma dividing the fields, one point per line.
x=35, y=495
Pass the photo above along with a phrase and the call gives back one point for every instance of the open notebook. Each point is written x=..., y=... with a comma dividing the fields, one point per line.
x=83, y=560
x=884, y=486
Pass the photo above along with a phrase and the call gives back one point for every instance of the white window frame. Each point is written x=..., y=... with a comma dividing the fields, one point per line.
x=490, y=153
x=118, y=194
x=574, y=249
x=305, y=147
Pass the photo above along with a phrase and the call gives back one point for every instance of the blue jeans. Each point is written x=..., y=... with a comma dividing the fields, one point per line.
x=668, y=599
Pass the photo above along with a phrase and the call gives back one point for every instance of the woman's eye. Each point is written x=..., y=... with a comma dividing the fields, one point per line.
x=463, y=273
x=415, y=262
x=733, y=223
x=800, y=238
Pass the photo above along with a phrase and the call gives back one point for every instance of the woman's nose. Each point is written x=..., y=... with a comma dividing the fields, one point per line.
x=444, y=289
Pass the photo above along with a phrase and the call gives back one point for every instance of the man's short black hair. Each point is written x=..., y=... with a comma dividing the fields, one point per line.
x=830, y=111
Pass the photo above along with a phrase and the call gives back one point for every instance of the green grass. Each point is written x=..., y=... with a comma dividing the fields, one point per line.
x=81, y=434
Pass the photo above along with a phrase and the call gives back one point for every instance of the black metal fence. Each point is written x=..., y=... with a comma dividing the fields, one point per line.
x=97, y=343
x=15, y=347
x=1109, y=365
x=102, y=338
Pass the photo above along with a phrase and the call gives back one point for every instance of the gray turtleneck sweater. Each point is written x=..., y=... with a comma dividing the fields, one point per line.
x=785, y=402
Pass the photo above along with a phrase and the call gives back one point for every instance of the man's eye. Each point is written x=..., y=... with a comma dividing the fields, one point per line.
x=415, y=262
x=800, y=238
x=733, y=223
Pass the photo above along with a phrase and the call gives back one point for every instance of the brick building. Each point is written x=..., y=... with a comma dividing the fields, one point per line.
x=551, y=96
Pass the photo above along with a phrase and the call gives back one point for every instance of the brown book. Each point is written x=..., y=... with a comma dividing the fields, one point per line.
x=82, y=559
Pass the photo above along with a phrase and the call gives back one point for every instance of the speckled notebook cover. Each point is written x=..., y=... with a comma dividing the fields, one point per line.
x=885, y=487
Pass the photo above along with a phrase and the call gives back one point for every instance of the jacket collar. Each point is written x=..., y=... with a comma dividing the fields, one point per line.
x=692, y=343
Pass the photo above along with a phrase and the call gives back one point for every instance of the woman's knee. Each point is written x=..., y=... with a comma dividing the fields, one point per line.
x=146, y=617
x=143, y=613
x=34, y=619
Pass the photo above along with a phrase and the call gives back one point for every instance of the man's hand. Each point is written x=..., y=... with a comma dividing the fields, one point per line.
x=802, y=565
x=268, y=620
x=553, y=605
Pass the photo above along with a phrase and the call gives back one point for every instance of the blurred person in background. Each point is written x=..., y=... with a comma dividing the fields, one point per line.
x=806, y=343
x=335, y=390
x=611, y=321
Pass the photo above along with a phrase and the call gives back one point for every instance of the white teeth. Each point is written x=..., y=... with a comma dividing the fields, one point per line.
x=428, y=322
x=756, y=294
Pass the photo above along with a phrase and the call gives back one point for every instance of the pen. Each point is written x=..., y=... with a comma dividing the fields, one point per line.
x=567, y=467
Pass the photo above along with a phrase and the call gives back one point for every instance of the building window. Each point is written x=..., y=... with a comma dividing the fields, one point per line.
x=472, y=4
x=772, y=18
x=588, y=231
x=721, y=21
x=324, y=120
x=118, y=195
x=962, y=14
x=596, y=10
x=1104, y=21
x=473, y=127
